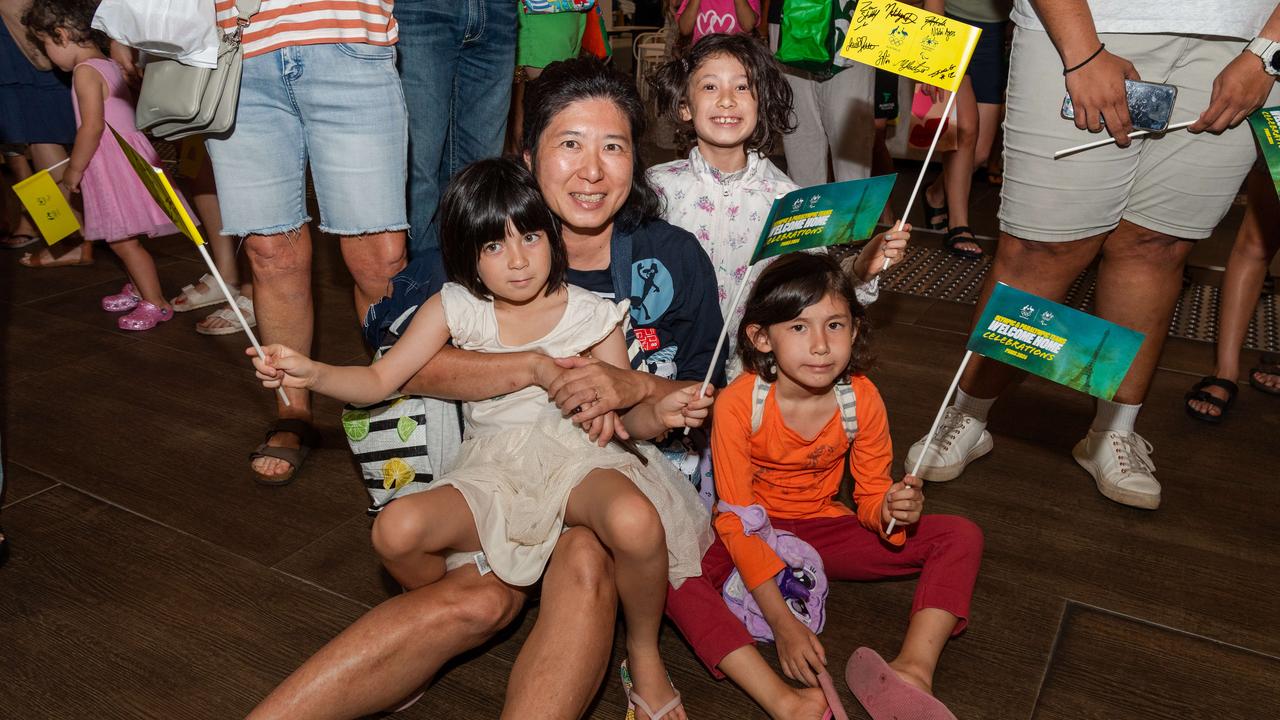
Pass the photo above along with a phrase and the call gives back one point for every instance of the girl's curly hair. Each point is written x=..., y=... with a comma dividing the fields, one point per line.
x=774, y=98
x=45, y=17
x=784, y=290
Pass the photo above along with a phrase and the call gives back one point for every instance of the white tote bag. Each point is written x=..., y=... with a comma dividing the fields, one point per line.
x=182, y=30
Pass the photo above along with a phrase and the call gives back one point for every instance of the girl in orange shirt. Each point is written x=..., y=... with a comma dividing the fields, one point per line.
x=802, y=334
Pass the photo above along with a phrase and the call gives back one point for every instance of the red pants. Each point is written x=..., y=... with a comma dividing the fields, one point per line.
x=945, y=550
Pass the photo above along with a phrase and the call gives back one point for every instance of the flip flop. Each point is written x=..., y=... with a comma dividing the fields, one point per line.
x=307, y=437
x=634, y=700
x=884, y=695
x=29, y=260
x=11, y=242
x=1198, y=392
x=835, y=708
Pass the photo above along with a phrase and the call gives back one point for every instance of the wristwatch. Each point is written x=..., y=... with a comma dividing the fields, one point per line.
x=1269, y=51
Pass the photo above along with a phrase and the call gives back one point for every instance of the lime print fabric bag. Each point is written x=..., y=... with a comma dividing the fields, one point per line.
x=541, y=7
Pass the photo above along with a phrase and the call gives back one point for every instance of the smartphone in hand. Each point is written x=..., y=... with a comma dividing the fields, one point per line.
x=1150, y=105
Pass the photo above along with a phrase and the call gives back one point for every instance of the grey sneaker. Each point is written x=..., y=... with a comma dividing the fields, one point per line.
x=960, y=440
x=1120, y=463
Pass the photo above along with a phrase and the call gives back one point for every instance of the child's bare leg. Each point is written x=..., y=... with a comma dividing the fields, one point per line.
x=142, y=270
x=927, y=634
x=413, y=534
x=629, y=526
x=746, y=667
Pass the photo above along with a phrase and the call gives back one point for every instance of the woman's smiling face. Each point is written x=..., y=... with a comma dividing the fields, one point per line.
x=584, y=164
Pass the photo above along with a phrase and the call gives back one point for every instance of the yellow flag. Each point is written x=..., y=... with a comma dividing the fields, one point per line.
x=909, y=41
x=157, y=185
x=47, y=206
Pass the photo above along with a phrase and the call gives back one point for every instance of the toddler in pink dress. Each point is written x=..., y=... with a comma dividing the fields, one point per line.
x=117, y=208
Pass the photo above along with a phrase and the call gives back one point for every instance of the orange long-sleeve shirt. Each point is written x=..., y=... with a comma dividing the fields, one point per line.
x=791, y=477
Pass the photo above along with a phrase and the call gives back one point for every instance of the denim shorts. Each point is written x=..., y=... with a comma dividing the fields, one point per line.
x=338, y=107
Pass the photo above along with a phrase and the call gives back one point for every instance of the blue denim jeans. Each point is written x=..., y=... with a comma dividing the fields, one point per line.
x=457, y=61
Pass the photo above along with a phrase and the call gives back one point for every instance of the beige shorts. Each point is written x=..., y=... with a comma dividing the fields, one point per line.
x=1179, y=184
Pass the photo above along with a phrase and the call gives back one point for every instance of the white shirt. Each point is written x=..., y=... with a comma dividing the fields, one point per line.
x=1227, y=18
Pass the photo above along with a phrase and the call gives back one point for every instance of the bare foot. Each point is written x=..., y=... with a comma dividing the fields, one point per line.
x=1271, y=380
x=912, y=675
x=802, y=704
x=965, y=242
x=650, y=683
x=44, y=257
x=1202, y=406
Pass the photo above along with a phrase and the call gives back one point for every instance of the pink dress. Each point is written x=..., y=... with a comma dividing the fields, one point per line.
x=116, y=205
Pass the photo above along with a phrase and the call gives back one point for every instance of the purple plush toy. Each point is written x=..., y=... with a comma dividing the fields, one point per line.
x=803, y=582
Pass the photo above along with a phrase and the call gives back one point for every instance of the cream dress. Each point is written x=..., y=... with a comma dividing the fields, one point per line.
x=520, y=458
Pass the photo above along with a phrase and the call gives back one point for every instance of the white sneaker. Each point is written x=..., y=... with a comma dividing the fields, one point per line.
x=1120, y=463
x=960, y=440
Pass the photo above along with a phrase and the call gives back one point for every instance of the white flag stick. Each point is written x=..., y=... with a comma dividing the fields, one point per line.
x=937, y=420
x=724, y=332
x=222, y=285
x=937, y=135
x=1110, y=140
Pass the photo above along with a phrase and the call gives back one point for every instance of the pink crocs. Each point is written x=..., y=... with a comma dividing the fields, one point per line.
x=144, y=317
x=126, y=299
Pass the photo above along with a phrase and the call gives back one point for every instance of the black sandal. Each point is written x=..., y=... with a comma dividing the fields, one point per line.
x=935, y=218
x=307, y=438
x=1268, y=365
x=1198, y=392
x=960, y=234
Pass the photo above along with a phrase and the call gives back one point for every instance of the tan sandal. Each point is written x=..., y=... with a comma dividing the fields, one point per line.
x=227, y=315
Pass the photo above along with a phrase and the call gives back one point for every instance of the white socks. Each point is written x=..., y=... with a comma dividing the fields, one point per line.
x=972, y=406
x=1115, y=416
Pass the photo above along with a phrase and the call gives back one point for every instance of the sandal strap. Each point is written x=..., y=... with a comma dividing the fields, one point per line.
x=958, y=230
x=1214, y=381
x=1213, y=400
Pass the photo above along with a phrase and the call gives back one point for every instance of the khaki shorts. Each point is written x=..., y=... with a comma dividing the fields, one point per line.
x=1179, y=184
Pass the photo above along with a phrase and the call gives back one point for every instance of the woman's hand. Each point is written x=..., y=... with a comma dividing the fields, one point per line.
x=799, y=651
x=284, y=366
x=903, y=502
x=684, y=407
x=887, y=246
x=935, y=93
x=589, y=388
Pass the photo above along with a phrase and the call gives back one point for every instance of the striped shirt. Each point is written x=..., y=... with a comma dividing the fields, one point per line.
x=284, y=23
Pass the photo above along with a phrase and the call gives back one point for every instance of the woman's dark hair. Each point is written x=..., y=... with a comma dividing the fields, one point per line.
x=46, y=17
x=475, y=209
x=783, y=291
x=563, y=83
x=773, y=94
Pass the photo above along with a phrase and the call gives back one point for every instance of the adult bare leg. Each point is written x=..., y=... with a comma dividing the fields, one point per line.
x=579, y=601
x=989, y=117
x=373, y=260
x=957, y=166
x=281, y=267
x=1042, y=268
x=1255, y=245
x=1139, y=280
x=395, y=649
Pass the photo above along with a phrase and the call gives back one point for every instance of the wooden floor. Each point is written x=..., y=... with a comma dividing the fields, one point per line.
x=151, y=578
